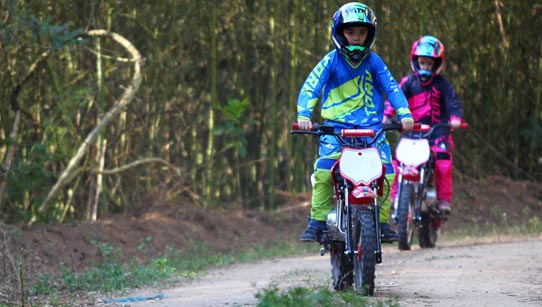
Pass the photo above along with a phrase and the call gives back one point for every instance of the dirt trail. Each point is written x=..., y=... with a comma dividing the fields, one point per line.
x=454, y=274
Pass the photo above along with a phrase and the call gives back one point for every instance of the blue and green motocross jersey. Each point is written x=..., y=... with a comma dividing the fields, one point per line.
x=351, y=96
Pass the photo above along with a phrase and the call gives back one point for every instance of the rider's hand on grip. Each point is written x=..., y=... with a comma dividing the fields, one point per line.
x=304, y=124
x=407, y=124
x=455, y=123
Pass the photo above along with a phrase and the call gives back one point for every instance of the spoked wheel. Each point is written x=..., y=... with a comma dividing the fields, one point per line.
x=406, y=210
x=341, y=267
x=365, y=247
x=428, y=232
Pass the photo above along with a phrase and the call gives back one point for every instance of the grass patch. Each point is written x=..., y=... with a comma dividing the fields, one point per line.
x=530, y=228
x=318, y=297
x=111, y=276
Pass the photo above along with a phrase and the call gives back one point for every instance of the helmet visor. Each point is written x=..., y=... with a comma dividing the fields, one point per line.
x=356, y=12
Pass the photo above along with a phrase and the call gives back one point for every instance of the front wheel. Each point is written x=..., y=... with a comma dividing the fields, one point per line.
x=405, y=212
x=364, y=257
x=428, y=232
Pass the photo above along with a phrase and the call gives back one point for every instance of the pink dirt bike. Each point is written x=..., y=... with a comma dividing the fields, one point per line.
x=353, y=236
x=416, y=204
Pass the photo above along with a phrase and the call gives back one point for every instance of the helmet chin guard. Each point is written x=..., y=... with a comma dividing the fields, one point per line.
x=355, y=53
x=425, y=75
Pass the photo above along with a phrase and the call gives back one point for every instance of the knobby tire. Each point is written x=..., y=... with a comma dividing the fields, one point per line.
x=365, y=263
x=341, y=267
x=427, y=232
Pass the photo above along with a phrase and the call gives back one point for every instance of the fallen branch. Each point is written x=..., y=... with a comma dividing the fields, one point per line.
x=125, y=99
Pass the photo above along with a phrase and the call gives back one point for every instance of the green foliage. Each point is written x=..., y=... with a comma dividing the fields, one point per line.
x=499, y=214
x=496, y=73
x=27, y=182
x=533, y=131
x=318, y=297
x=58, y=36
x=33, y=166
x=144, y=243
x=535, y=225
x=44, y=33
x=235, y=109
x=233, y=130
x=530, y=228
x=104, y=249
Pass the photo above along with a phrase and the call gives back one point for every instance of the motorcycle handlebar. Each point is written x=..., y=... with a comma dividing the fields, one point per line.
x=447, y=124
x=428, y=133
x=349, y=136
x=369, y=132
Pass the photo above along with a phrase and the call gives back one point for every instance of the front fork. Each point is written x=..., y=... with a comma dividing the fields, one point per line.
x=349, y=249
x=419, y=201
x=419, y=197
x=397, y=195
x=378, y=251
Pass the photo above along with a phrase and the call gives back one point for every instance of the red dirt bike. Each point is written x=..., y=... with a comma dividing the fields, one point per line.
x=416, y=204
x=353, y=236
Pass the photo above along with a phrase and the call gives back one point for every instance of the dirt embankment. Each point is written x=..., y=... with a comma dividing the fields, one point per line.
x=158, y=224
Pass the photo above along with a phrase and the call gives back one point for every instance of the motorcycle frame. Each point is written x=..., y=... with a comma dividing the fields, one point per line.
x=345, y=213
x=425, y=177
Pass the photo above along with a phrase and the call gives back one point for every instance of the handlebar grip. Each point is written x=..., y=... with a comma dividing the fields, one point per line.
x=421, y=127
x=295, y=126
x=463, y=126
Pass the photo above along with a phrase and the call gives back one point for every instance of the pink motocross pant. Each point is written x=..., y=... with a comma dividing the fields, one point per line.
x=442, y=173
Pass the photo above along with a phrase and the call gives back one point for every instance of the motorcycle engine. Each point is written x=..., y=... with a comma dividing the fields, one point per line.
x=431, y=196
x=334, y=233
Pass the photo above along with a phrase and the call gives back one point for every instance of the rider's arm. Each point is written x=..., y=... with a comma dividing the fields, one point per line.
x=394, y=94
x=311, y=89
x=452, y=104
x=389, y=111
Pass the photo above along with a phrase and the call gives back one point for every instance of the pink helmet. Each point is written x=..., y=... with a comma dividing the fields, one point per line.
x=427, y=46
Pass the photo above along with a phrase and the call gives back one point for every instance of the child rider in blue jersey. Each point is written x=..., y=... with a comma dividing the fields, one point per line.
x=354, y=82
